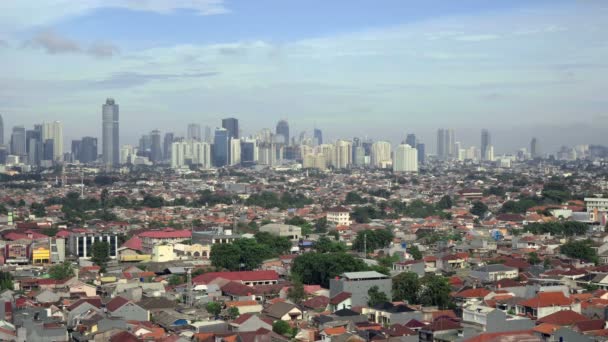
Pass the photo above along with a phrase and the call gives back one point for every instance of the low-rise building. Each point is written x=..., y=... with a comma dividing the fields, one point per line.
x=358, y=284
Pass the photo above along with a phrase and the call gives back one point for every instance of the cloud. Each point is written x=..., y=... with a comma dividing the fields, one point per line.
x=477, y=37
x=17, y=15
x=101, y=49
x=133, y=79
x=54, y=43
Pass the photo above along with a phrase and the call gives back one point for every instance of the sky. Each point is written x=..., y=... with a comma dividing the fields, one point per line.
x=365, y=68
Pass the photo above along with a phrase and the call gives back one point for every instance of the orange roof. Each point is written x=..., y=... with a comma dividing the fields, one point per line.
x=564, y=317
x=335, y=331
x=473, y=293
x=242, y=303
x=544, y=299
x=546, y=328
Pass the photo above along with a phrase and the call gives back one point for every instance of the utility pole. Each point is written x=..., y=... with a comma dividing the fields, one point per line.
x=190, y=301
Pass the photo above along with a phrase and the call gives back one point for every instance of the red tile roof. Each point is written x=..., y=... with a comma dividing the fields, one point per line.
x=236, y=276
x=95, y=301
x=564, y=317
x=590, y=325
x=167, y=233
x=339, y=298
x=472, y=293
x=134, y=243
x=511, y=336
x=116, y=303
x=545, y=299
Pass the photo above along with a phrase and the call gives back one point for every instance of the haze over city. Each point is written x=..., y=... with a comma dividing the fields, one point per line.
x=374, y=69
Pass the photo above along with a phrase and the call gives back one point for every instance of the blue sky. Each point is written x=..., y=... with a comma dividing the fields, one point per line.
x=353, y=68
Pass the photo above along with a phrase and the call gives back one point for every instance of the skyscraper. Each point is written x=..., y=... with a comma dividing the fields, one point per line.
x=420, y=148
x=232, y=126
x=156, y=152
x=441, y=152
x=194, y=132
x=76, y=148
x=110, y=140
x=486, y=141
x=167, y=141
x=410, y=139
x=318, y=137
x=381, y=154
x=1, y=130
x=221, y=147
x=88, y=150
x=283, y=130
x=449, y=141
x=534, y=149
x=54, y=131
x=18, y=146
x=33, y=145
x=406, y=159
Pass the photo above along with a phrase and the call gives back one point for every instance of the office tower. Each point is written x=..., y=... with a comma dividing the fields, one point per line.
x=534, y=149
x=33, y=145
x=249, y=152
x=267, y=154
x=232, y=126
x=221, y=147
x=88, y=150
x=53, y=131
x=109, y=138
x=441, y=152
x=145, y=145
x=18, y=146
x=283, y=131
x=235, y=151
x=156, y=152
x=410, y=139
x=318, y=137
x=450, y=146
x=194, y=132
x=3, y=154
x=420, y=148
x=490, y=153
x=343, y=154
x=208, y=136
x=167, y=141
x=76, y=148
x=127, y=154
x=1, y=130
x=381, y=154
x=406, y=159
x=486, y=141
x=48, y=151
x=359, y=156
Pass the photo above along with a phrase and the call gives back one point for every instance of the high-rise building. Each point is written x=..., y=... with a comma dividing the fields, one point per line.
x=208, y=136
x=421, y=153
x=109, y=138
x=1, y=130
x=534, y=149
x=441, y=152
x=445, y=144
x=190, y=152
x=127, y=154
x=18, y=146
x=156, y=151
x=54, y=131
x=406, y=159
x=381, y=154
x=76, y=148
x=88, y=150
x=283, y=131
x=232, y=126
x=486, y=141
x=410, y=139
x=235, y=151
x=249, y=152
x=167, y=141
x=221, y=147
x=318, y=137
x=344, y=154
x=194, y=132
x=33, y=145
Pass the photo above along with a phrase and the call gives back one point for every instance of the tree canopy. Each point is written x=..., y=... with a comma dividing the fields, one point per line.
x=372, y=239
x=375, y=296
x=581, y=249
x=319, y=268
x=61, y=271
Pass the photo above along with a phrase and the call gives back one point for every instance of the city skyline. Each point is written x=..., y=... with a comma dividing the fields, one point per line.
x=519, y=69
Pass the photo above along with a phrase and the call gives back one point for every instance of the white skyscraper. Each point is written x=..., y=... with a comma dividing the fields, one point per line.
x=235, y=151
x=191, y=152
x=343, y=154
x=406, y=159
x=381, y=154
x=54, y=131
x=127, y=154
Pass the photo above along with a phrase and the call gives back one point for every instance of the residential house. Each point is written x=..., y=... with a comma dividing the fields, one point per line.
x=358, y=284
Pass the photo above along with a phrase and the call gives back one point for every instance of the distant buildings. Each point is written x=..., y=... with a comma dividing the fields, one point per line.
x=85, y=150
x=317, y=137
x=110, y=137
x=1, y=130
x=53, y=131
x=445, y=144
x=534, y=148
x=486, y=142
x=18, y=147
x=283, y=132
x=406, y=159
x=156, y=152
x=194, y=132
x=221, y=147
x=232, y=126
x=339, y=216
x=191, y=152
x=381, y=154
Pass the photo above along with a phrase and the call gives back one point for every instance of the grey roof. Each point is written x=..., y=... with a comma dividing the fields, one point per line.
x=496, y=268
x=279, y=309
x=364, y=275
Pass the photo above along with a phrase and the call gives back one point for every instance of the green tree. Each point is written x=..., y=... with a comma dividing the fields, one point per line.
x=233, y=312
x=213, y=308
x=318, y=268
x=100, y=254
x=325, y=245
x=38, y=209
x=225, y=255
x=6, y=281
x=479, y=209
x=435, y=291
x=372, y=239
x=533, y=258
x=445, y=203
x=296, y=292
x=321, y=225
x=61, y=271
x=354, y=198
x=415, y=252
x=581, y=249
x=547, y=263
x=281, y=327
x=176, y=279
x=279, y=245
x=406, y=286
x=375, y=296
